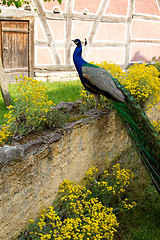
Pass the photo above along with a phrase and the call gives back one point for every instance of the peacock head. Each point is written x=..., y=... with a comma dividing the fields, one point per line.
x=77, y=42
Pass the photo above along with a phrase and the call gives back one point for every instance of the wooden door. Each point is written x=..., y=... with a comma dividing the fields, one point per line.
x=15, y=48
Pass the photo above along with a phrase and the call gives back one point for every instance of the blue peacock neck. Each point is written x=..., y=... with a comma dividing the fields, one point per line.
x=78, y=60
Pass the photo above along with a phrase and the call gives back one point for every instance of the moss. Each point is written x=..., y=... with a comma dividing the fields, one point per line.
x=76, y=118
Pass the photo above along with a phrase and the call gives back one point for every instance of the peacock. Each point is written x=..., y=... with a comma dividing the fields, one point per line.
x=100, y=82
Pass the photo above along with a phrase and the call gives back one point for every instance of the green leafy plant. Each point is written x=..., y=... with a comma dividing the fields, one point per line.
x=19, y=3
x=156, y=61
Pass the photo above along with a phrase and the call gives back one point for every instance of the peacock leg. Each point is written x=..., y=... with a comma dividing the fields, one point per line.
x=96, y=98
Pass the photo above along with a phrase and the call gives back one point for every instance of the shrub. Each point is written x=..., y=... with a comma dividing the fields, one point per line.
x=32, y=111
x=86, y=212
x=143, y=82
x=114, y=69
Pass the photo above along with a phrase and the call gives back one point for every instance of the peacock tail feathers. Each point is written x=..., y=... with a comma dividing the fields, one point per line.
x=141, y=132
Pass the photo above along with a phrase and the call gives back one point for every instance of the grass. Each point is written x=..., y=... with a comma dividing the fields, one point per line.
x=58, y=91
x=64, y=91
x=143, y=221
x=3, y=109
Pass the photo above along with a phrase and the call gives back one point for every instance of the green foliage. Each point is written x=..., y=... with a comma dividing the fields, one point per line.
x=59, y=1
x=156, y=62
x=32, y=111
x=85, y=212
x=3, y=110
x=19, y=3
